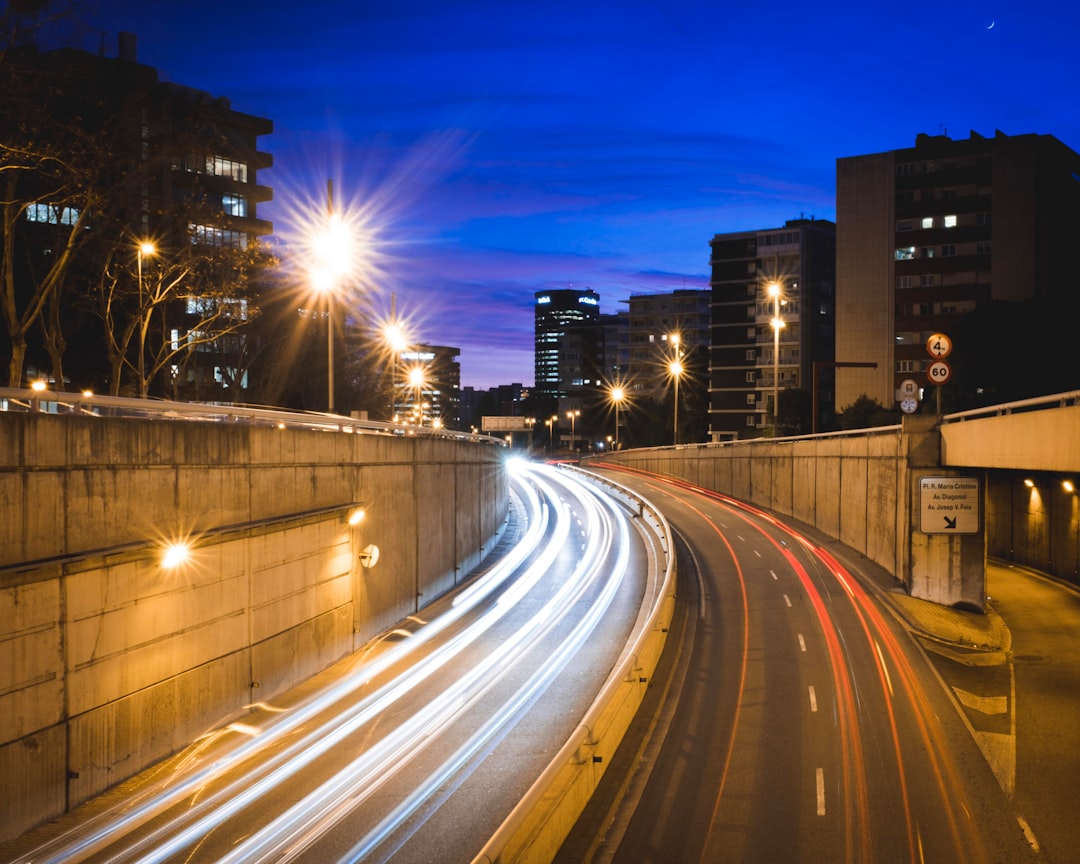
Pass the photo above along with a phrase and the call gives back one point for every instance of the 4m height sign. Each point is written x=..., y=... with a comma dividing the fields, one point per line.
x=949, y=505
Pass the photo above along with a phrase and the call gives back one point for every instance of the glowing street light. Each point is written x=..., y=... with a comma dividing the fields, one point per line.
x=777, y=323
x=332, y=249
x=675, y=370
x=145, y=249
x=572, y=416
x=416, y=381
x=617, y=394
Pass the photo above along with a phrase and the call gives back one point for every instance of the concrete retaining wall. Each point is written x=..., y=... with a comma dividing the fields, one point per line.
x=110, y=661
x=860, y=488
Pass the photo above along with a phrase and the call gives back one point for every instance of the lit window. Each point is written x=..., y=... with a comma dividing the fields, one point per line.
x=234, y=205
x=750, y=398
x=905, y=253
x=950, y=221
x=928, y=222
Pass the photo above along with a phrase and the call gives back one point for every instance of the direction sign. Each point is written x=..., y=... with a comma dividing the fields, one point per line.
x=949, y=505
x=939, y=346
x=939, y=372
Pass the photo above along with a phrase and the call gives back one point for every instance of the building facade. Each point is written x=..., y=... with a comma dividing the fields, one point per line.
x=746, y=372
x=176, y=186
x=955, y=237
x=555, y=313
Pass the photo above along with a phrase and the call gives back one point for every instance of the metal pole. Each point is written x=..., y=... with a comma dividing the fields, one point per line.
x=330, y=315
x=142, y=331
x=776, y=365
x=675, y=430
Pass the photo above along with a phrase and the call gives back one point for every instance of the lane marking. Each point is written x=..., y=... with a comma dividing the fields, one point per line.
x=757, y=553
x=1028, y=833
x=983, y=704
x=820, y=791
x=813, y=700
x=772, y=573
x=802, y=643
x=787, y=600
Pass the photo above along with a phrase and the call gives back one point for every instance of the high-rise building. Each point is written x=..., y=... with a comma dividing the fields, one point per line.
x=557, y=312
x=659, y=328
x=432, y=393
x=178, y=167
x=957, y=237
x=745, y=370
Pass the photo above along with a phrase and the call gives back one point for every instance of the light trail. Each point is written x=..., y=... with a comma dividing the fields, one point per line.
x=550, y=522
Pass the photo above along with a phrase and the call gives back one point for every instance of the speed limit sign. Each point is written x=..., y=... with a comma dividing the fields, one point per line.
x=939, y=372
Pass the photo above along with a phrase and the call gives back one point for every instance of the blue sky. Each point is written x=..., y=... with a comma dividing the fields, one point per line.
x=504, y=148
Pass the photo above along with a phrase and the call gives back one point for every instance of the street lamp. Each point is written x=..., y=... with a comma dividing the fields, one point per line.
x=148, y=250
x=333, y=250
x=573, y=415
x=397, y=342
x=617, y=395
x=777, y=323
x=675, y=369
x=416, y=380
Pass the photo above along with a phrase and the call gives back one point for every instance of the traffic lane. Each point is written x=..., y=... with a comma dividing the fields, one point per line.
x=897, y=773
x=216, y=837
x=1043, y=617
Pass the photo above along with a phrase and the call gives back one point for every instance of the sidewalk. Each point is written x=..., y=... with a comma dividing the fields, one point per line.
x=969, y=630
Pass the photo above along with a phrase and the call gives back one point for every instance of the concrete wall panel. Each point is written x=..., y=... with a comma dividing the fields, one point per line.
x=144, y=659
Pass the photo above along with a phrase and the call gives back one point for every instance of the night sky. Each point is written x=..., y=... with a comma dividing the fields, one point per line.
x=501, y=148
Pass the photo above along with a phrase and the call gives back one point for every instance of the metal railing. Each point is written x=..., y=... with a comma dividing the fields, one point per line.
x=1037, y=403
x=59, y=402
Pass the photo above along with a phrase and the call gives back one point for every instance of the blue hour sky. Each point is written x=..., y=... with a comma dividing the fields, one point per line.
x=505, y=148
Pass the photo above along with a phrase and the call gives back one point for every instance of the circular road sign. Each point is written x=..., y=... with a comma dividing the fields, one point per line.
x=939, y=372
x=909, y=405
x=909, y=387
x=939, y=346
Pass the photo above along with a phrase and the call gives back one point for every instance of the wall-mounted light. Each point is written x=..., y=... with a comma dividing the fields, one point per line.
x=357, y=516
x=38, y=386
x=1068, y=486
x=1029, y=483
x=174, y=555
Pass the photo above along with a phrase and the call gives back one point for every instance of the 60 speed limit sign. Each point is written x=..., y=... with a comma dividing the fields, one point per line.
x=939, y=372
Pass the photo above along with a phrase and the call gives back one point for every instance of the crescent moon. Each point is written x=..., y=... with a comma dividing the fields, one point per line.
x=991, y=27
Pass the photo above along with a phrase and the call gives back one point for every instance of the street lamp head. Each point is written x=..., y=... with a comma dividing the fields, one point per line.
x=675, y=367
x=774, y=289
x=617, y=394
x=147, y=248
x=777, y=323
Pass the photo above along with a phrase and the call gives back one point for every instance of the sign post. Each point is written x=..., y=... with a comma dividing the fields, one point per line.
x=939, y=346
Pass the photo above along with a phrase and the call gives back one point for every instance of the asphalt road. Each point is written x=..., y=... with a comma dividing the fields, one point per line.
x=414, y=749
x=796, y=721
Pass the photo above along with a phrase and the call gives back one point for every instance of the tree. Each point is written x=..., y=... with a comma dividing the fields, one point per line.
x=866, y=413
x=49, y=171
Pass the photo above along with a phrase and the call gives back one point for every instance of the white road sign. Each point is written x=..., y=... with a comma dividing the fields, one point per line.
x=949, y=505
x=939, y=372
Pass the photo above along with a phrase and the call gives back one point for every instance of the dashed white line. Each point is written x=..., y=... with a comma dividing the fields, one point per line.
x=772, y=573
x=757, y=553
x=802, y=643
x=787, y=600
x=813, y=699
x=1028, y=833
x=820, y=791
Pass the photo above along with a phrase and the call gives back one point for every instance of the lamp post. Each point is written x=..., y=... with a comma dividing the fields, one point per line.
x=617, y=396
x=776, y=323
x=675, y=368
x=333, y=250
x=147, y=249
x=573, y=415
x=416, y=380
x=397, y=342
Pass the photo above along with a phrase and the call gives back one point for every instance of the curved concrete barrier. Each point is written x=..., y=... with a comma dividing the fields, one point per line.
x=538, y=825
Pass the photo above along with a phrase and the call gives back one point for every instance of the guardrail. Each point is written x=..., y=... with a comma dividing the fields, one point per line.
x=1038, y=403
x=58, y=402
x=537, y=826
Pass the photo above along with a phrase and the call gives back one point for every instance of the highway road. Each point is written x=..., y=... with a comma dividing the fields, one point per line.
x=416, y=748
x=796, y=721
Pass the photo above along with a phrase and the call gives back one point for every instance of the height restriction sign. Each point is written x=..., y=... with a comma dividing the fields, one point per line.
x=939, y=346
